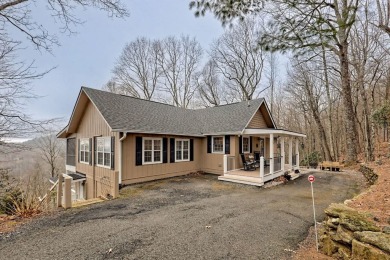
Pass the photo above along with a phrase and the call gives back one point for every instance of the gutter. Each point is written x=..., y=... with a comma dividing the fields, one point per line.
x=120, y=156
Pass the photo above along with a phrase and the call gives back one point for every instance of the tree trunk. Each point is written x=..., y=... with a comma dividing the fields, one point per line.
x=350, y=123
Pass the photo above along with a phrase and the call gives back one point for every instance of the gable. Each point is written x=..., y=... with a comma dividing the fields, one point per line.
x=92, y=123
x=261, y=119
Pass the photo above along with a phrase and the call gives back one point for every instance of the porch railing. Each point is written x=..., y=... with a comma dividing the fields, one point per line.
x=277, y=163
x=229, y=163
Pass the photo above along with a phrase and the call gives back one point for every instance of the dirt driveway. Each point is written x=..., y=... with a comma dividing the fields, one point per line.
x=191, y=217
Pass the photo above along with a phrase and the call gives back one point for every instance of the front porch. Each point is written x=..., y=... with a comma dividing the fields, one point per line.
x=269, y=165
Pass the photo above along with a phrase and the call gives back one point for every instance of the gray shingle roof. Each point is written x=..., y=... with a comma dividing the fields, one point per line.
x=124, y=113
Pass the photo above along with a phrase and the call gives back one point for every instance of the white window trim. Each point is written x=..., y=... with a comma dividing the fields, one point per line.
x=143, y=150
x=89, y=150
x=249, y=144
x=96, y=158
x=182, y=150
x=223, y=144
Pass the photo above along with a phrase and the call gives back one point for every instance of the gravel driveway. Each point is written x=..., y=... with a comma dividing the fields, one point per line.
x=190, y=217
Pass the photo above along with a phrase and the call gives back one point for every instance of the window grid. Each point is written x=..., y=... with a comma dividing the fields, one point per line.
x=182, y=150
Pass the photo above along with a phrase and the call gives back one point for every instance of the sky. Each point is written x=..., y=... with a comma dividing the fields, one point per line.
x=87, y=58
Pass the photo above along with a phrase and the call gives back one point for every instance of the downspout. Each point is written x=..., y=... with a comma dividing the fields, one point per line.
x=120, y=156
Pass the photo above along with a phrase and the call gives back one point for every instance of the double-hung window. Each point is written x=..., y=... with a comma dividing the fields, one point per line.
x=182, y=150
x=152, y=150
x=84, y=150
x=103, y=151
x=246, y=144
x=218, y=144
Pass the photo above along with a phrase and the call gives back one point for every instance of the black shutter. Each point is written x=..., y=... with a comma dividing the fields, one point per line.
x=172, y=150
x=78, y=150
x=251, y=143
x=208, y=144
x=138, y=150
x=191, y=149
x=240, y=144
x=165, y=150
x=112, y=152
x=94, y=150
x=227, y=144
x=90, y=151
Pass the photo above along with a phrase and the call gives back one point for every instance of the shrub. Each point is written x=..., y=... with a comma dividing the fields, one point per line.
x=312, y=159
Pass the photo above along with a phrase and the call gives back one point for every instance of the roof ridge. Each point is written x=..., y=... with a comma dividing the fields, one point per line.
x=124, y=95
x=153, y=101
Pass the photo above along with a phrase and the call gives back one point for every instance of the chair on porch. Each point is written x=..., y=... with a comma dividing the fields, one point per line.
x=249, y=165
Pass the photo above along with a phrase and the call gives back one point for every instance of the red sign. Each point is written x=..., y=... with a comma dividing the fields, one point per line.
x=311, y=178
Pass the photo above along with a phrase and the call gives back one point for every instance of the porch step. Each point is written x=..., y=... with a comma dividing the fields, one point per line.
x=294, y=176
x=242, y=179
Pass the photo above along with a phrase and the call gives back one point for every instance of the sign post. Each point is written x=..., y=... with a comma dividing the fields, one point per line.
x=311, y=179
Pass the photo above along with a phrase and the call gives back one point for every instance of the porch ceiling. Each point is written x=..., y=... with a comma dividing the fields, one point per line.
x=266, y=131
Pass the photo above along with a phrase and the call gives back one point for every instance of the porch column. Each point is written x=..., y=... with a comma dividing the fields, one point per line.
x=290, y=152
x=225, y=163
x=297, y=153
x=68, y=192
x=282, y=152
x=59, y=190
x=271, y=153
x=262, y=168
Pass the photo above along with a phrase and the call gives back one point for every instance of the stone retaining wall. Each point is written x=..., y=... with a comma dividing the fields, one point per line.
x=349, y=234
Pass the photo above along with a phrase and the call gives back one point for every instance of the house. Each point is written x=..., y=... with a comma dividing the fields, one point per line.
x=114, y=140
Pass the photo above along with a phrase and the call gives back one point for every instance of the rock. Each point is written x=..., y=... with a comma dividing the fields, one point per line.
x=344, y=235
x=330, y=224
x=364, y=251
x=378, y=239
x=335, y=209
x=344, y=252
x=328, y=246
x=356, y=221
x=386, y=230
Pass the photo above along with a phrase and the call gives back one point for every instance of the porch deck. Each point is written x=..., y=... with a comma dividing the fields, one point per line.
x=249, y=177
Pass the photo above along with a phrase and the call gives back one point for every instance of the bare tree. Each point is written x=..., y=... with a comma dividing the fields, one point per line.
x=136, y=72
x=383, y=8
x=239, y=60
x=178, y=59
x=52, y=149
x=16, y=74
x=209, y=85
x=272, y=59
x=16, y=14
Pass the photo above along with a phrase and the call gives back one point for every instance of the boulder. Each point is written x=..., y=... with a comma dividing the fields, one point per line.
x=378, y=239
x=328, y=246
x=355, y=221
x=344, y=235
x=335, y=209
x=367, y=252
x=344, y=252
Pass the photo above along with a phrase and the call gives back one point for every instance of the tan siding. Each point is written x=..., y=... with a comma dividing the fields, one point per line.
x=92, y=124
x=258, y=121
x=132, y=173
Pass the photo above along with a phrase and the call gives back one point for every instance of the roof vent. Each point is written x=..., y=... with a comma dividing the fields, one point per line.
x=249, y=103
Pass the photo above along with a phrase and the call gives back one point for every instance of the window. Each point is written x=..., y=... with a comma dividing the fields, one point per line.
x=103, y=151
x=246, y=144
x=152, y=150
x=218, y=144
x=182, y=150
x=71, y=151
x=84, y=150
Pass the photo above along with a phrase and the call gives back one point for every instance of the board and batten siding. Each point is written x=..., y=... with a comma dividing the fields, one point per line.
x=141, y=173
x=91, y=125
x=258, y=121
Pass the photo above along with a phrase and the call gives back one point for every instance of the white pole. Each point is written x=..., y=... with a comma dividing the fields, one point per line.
x=262, y=168
x=271, y=153
x=225, y=163
x=314, y=214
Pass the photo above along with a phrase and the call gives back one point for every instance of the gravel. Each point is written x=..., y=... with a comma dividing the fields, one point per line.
x=189, y=217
